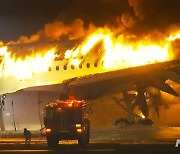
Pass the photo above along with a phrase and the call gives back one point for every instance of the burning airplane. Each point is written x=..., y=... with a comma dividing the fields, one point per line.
x=100, y=52
x=102, y=58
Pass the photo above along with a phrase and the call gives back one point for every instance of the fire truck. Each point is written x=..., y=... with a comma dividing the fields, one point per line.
x=67, y=120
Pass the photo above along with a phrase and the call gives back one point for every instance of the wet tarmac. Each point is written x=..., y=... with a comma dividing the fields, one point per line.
x=133, y=139
x=93, y=147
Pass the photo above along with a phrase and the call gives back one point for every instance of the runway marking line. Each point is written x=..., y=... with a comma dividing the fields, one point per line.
x=25, y=150
x=78, y=150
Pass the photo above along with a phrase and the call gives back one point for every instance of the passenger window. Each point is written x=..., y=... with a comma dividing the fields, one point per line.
x=95, y=64
x=57, y=68
x=72, y=67
x=80, y=66
x=49, y=69
x=88, y=65
x=102, y=63
x=65, y=67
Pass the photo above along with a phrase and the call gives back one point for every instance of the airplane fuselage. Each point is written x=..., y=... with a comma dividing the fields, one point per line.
x=56, y=73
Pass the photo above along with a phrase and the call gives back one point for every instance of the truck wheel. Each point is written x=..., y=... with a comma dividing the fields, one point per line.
x=52, y=142
x=84, y=138
x=87, y=134
x=81, y=141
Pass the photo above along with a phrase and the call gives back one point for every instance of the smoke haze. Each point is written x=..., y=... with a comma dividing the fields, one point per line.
x=24, y=22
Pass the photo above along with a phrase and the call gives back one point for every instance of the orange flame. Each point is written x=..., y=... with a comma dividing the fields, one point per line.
x=118, y=54
x=174, y=36
x=24, y=69
x=142, y=116
x=121, y=54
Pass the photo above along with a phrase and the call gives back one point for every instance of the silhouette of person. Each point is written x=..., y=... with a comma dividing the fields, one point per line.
x=27, y=135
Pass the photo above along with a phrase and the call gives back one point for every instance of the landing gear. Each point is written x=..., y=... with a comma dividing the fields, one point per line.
x=121, y=123
x=145, y=121
x=128, y=104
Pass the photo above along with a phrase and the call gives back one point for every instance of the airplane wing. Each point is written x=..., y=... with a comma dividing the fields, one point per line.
x=92, y=86
x=154, y=75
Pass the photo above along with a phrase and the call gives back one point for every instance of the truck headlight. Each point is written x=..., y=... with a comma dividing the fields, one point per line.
x=79, y=130
x=48, y=130
x=78, y=125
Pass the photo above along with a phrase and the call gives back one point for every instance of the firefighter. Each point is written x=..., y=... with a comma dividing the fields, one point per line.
x=27, y=135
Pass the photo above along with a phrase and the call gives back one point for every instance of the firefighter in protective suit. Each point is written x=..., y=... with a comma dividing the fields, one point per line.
x=27, y=135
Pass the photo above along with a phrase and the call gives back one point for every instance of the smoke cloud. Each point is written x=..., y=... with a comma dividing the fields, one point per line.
x=136, y=19
x=137, y=16
x=154, y=15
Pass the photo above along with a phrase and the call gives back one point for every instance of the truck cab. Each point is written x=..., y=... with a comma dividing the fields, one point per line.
x=67, y=120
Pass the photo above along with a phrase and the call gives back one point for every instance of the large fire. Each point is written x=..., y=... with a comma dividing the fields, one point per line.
x=118, y=53
x=121, y=54
x=24, y=68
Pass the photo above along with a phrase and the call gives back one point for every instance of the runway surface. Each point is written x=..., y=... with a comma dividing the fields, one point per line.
x=134, y=139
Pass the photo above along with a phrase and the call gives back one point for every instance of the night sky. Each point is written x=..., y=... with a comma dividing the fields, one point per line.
x=26, y=17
